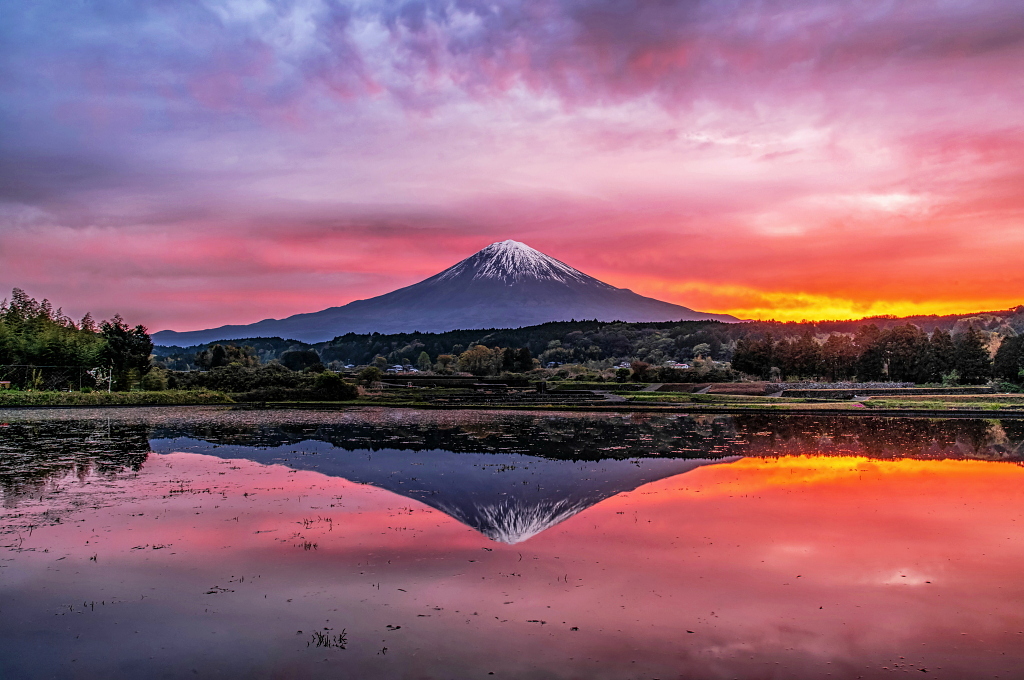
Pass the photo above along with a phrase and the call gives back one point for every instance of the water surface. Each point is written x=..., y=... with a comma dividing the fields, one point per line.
x=203, y=542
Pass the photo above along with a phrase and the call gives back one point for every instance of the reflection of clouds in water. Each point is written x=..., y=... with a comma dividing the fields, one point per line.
x=508, y=497
x=793, y=549
x=905, y=577
x=637, y=572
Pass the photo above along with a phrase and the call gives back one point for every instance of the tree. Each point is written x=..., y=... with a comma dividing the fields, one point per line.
x=423, y=362
x=516, y=359
x=445, y=364
x=331, y=385
x=871, y=362
x=905, y=353
x=641, y=371
x=480, y=360
x=1009, y=361
x=803, y=356
x=524, y=359
x=126, y=351
x=754, y=356
x=942, y=353
x=225, y=355
x=970, y=356
x=34, y=333
x=370, y=375
x=155, y=380
x=838, y=357
x=301, y=359
x=702, y=350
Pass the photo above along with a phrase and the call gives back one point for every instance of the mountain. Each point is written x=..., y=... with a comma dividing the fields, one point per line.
x=508, y=497
x=505, y=285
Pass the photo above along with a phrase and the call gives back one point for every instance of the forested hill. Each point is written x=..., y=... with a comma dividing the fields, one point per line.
x=589, y=341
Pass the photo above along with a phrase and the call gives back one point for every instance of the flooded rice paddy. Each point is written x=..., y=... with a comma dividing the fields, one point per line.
x=209, y=543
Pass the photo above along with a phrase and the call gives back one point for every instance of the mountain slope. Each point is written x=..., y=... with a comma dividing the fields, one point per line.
x=505, y=285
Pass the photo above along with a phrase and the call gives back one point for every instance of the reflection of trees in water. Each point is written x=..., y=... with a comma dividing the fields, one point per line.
x=32, y=455
x=596, y=437
x=883, y=437
x=547, y=435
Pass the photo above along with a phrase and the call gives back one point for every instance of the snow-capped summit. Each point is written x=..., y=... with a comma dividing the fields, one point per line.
x=505, y=285
x=512, y=262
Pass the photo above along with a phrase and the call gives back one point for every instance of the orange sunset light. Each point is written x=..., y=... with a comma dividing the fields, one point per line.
x=794, y=160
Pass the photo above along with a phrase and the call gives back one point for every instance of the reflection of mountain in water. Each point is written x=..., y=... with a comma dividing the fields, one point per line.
x=38, y=452
x=507, y=497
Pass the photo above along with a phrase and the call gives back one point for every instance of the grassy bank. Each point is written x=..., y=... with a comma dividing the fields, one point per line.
x=686, y=398
x=442, y=398
x=163, y=398
x=988, y=402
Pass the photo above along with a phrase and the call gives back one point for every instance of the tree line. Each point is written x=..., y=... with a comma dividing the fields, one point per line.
x=591, y=343
x=33, y=333
x=903, y=353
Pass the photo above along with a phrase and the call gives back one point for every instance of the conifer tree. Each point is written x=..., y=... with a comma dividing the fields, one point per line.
x=1009, y=360
x=423, y=361
x=970, y=357
x=942, y=353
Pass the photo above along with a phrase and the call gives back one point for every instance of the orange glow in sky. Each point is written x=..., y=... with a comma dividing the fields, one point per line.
x=790, y=160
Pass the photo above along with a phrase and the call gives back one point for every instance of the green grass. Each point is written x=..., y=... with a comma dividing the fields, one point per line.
x=965, y=399
x=168, y=397
x=725, y=399
x=580, y=385
x=940, y=403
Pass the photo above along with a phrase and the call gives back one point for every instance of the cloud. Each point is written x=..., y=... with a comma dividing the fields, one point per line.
x=753, y=157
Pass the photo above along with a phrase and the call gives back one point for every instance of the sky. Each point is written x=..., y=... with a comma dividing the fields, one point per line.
x=193, y=163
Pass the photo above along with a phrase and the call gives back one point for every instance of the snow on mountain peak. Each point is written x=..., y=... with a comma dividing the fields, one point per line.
x=514, y=262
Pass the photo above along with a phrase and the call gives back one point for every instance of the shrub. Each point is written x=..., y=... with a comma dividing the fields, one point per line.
x=300, y=359
x=332, y=386
x=155, y=380
x=370, y=374
x=237, y=378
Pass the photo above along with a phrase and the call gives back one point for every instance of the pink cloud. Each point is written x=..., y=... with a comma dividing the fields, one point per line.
x=811, y=156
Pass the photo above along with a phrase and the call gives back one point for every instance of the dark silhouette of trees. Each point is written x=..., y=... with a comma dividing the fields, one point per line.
x=838, y=357
x=300, y=360
x=899, y=353
x=870, y=362
x=516, y=359
x=942, y=354
x=970, y=357
x=330, y=385
x=1009, y=360
x=754, y=356
x=126, y=351
x=800, y=357
x=905, y=354
x=225, y=355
